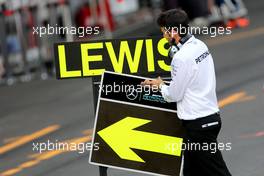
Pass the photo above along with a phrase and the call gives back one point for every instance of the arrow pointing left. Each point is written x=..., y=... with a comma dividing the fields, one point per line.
x=121, y=137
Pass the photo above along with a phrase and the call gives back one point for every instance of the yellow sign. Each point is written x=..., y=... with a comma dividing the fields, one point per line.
x=135, y=133
x=132, y=56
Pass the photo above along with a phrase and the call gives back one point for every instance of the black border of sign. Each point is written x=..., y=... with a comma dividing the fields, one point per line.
x=134, y=104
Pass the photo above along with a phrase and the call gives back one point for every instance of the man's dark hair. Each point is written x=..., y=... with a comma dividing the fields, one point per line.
x=174, y=18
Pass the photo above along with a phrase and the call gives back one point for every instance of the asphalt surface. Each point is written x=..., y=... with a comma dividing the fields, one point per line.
x=63, y=110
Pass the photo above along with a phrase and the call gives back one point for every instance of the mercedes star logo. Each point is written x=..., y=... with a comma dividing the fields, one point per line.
x=131, y=93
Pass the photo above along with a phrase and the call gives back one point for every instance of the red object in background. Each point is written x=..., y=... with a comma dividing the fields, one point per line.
x=242, y=22
x=8, y=12
x=61, y=2
x=109, y=15
x=120, y=1
x=238, y=22
x=231, y=24
x=84, y=18
x=30, y=23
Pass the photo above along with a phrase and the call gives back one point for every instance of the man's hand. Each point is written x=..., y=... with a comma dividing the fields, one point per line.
x=153, y=83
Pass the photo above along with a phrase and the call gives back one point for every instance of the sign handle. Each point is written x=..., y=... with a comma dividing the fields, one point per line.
x=95, y=87
x=103, y=170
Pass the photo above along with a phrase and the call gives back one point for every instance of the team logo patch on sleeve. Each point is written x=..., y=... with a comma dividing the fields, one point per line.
x=202, y=57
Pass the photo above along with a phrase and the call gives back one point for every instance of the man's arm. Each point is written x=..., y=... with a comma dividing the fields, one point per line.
x=180, y=79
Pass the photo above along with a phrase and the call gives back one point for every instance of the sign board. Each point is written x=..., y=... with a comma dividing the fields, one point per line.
x=135, y=129
x=138, y=56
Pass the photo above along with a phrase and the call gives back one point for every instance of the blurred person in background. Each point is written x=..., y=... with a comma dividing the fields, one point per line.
x=85, y=18
x=46, y=51
x=170, y=4
x=2, y=68
x=95, y=15
x=45, y=42
x=198, y=11
x=231, y=13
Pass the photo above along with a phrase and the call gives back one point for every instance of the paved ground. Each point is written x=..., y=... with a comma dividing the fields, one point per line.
x=63, y=110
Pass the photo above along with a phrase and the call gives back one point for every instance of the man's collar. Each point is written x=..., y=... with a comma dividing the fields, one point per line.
x=185, y=39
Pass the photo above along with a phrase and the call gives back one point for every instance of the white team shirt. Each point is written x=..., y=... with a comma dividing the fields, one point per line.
x=193, y=84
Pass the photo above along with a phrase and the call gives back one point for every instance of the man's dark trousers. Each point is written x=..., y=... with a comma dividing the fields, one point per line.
x=203, y=132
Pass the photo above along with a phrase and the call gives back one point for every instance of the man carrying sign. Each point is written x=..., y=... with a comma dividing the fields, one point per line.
x=193, y=88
